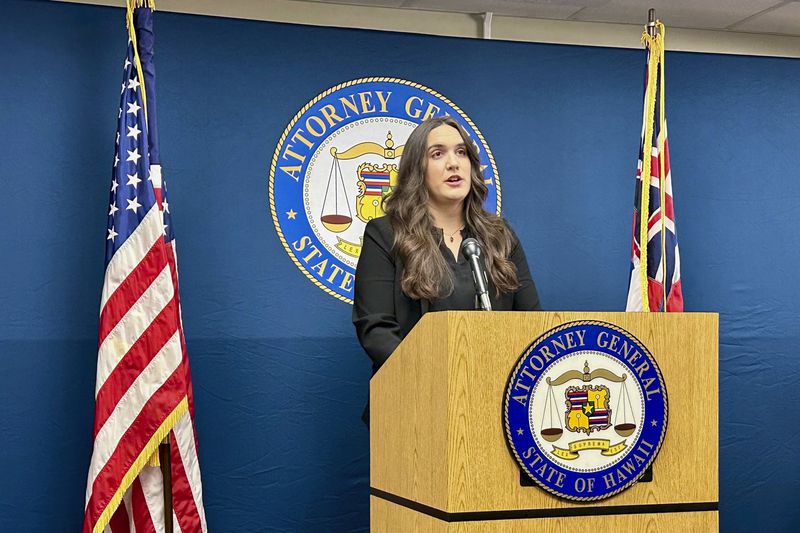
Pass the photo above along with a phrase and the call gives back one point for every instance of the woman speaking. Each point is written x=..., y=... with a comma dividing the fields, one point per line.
x=410, y=262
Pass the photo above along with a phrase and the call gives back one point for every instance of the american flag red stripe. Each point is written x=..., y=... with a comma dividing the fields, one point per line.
x=140, y=355
x=131, y=290
x=655, y=277
x=143, y=391
x=184, y=503
x=142, y=521
x=133, y=445
x=120, y=520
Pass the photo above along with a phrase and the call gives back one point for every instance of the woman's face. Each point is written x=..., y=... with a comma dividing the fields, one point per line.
x=448, y=168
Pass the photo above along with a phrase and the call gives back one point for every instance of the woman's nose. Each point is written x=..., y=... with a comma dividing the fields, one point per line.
x=452, y=160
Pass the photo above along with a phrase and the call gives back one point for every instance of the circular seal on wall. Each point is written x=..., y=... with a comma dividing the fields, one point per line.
x=336, y=161
x=585, y=410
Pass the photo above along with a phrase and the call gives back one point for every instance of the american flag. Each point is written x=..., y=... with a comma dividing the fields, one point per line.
x=659, y=285
x=143, y=392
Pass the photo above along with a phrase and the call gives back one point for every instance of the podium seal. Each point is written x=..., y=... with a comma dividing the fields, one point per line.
x=585, y=410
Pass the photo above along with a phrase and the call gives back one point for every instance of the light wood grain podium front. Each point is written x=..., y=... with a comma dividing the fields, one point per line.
x=438, y=455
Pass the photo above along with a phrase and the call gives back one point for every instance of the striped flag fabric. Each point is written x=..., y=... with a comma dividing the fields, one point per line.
x=143, y=393
x=655, y=276
x=376, y=183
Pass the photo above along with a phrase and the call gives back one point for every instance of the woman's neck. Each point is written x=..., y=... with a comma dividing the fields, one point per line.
x=449, y=218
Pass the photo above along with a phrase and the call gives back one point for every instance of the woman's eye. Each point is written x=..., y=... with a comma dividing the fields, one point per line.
x=436, y=154
x=461, y=151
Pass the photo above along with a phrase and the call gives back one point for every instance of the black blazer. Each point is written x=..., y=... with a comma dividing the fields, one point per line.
x=383, y=315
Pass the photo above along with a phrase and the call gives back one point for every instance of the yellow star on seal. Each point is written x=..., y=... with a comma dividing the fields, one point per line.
x=291, y=214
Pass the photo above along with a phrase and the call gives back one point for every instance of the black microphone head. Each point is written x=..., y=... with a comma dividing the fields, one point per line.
x=471, y=247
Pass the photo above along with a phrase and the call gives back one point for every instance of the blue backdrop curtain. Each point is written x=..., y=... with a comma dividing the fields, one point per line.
x=279, y=377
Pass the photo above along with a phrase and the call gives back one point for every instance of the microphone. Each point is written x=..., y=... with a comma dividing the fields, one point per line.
x=471, y=249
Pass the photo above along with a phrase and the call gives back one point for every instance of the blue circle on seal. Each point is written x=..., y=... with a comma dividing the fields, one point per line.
x=335, y=162
x=585, y=410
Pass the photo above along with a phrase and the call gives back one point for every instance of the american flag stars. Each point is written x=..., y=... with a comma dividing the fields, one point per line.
x=133, y=108
x=133, y=205
x=133, y=155
x=133, y=179
x=132, y=197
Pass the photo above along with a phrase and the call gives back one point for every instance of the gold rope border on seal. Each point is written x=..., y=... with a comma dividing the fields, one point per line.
x=520, y=362
x=374, y=79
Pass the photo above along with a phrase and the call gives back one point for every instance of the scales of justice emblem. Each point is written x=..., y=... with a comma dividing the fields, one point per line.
x=585, y=410
x=374, y=181
x=588, y=410
x=336, y=162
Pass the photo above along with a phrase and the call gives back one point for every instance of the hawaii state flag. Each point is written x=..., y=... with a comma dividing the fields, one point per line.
x=655, y=278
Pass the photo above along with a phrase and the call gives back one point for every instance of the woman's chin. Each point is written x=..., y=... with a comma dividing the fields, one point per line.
x=451, y=196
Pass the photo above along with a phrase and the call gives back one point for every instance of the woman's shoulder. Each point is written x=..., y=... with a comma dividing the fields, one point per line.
x=513, y=237
x=507, y=227
x=381, y=230
x=383, y=224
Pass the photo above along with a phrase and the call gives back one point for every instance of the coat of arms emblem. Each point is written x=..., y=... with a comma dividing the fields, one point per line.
x=374, y=181
x=586, y=410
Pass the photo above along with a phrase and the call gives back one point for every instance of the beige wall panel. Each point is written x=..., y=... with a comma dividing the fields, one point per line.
x=471, y=25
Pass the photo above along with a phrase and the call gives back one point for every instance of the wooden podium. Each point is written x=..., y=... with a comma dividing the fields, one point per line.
x=439, y=460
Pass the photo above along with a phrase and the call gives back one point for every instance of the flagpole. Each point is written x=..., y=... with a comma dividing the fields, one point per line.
x=662, y=135
x=165, y=463
x=652, y=29
x=650, y=40
x=651, y=22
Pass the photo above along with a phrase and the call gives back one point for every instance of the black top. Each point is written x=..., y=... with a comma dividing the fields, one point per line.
x=463, y=296
x=383, y=315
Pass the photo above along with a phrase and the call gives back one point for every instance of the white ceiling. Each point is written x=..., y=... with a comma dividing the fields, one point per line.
x=752, y=16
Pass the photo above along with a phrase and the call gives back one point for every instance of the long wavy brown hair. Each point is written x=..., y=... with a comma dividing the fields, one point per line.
x=426, y=274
